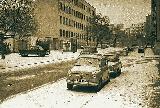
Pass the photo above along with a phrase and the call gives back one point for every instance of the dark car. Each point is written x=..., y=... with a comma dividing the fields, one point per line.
x=141, y=49
x=34, y=50
x=89, y=50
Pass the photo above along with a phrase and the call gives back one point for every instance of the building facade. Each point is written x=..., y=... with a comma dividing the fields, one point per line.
x=137, y=33
x=62, y=21
x=148, y=29
x=137, y=28
x=155, y=18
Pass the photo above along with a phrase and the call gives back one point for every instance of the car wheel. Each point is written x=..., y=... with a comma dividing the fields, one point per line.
x=108, y=79
x=42, y=55
x=119, y=71
x=98, y=87
x=69, y=86
x=24, y=55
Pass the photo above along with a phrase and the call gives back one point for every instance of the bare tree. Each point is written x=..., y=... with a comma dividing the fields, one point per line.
x=17, y=16
x=99, y=28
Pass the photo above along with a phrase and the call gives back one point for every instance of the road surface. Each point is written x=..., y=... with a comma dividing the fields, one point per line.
x=132, y=89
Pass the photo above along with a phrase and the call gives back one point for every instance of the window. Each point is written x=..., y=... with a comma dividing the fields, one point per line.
x=60, y=5
x=87, y=18
x=71, y=34
x=77, y=35
x=76, y=13
x=76, y=25
x=93, y=13
x=66, y=9
x=60, y=32
x=63, y=8
x=60, y=19
x=69, y=10
x=63, y=20
x=66, y=21
x=67, y=34
x=63, y=33
x=82, y=26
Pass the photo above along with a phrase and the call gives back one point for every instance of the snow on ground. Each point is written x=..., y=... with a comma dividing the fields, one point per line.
x=126, y=91
x=129, y=90
x=15, y=61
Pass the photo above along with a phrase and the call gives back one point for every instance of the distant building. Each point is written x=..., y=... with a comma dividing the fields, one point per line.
x=148, y=29
x=155, y=23
x=63, y=20
x=155, y=14
x=137, y=32
x=120, y=26
x=135, y=28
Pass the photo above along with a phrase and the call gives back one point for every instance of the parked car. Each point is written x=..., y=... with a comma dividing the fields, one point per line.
x=89, y=70
x=123, y=52
x=89, y=50
x=114, y=64
x=34, y=50
x=141, y=49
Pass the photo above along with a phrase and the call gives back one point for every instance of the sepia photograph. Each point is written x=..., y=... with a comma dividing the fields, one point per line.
x=79, y=53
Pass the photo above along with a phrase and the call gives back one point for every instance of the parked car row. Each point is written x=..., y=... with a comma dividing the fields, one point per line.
x=94, y=69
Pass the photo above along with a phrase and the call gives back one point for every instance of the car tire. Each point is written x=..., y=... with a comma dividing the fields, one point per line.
x=119, y=72
x=69, y=86
x=98, y=87
x=24, y=55
x=108, y=80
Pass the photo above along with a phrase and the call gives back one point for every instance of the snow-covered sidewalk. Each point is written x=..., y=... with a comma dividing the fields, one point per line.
x=15, y=61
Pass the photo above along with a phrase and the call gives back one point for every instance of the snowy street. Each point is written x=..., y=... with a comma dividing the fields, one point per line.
x=132, y=89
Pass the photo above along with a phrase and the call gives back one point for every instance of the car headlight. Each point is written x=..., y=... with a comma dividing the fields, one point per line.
x=94, y=75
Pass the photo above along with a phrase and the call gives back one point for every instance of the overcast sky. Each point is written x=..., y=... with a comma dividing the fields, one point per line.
x=123, y=11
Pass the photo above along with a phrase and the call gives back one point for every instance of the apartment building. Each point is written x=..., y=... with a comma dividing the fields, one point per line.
x=62, y=21
x=137, y=28
x=155, y=18
x=148, y=29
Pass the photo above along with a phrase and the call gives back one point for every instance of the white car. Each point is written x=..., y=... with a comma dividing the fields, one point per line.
x=89, y=70
x=114, y=64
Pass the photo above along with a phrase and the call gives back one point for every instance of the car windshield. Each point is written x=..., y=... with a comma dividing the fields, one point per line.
x=88, y=61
